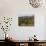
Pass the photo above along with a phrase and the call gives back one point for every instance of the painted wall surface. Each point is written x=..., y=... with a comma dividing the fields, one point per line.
x=15, y=8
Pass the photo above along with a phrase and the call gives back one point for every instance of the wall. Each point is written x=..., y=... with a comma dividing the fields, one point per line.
x=15, y=8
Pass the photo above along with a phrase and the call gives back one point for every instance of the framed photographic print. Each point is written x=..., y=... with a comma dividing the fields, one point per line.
x=26, y=21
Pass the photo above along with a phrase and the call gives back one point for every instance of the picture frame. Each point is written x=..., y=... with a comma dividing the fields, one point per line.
x=26, y=21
